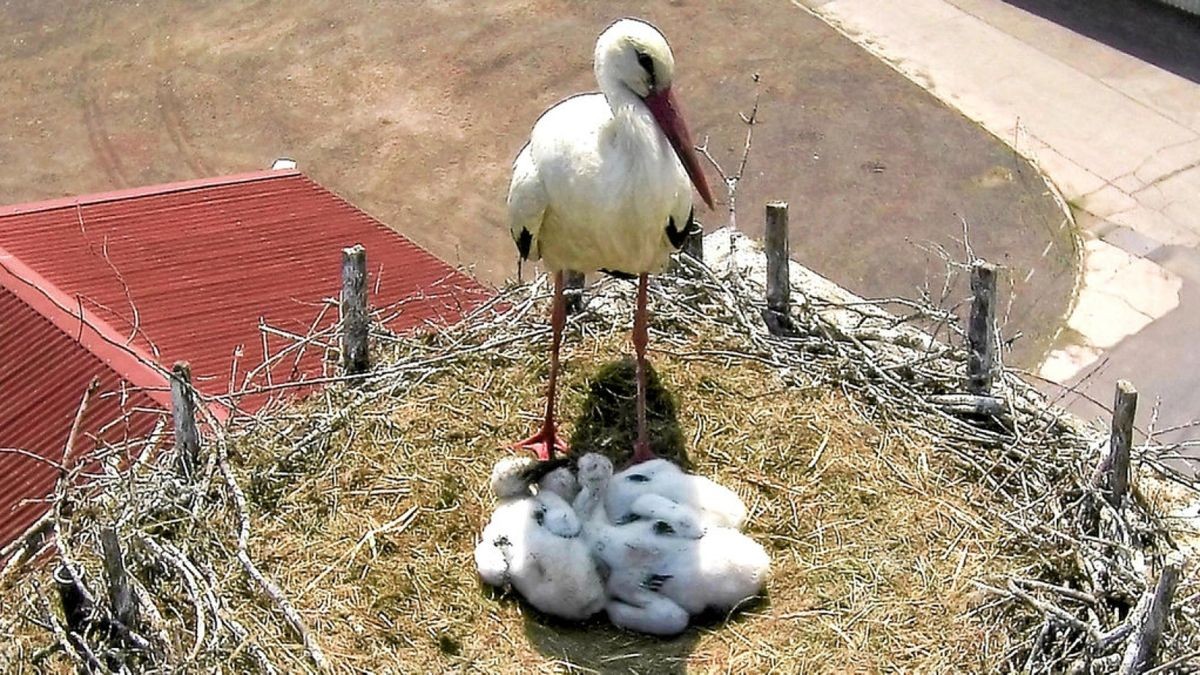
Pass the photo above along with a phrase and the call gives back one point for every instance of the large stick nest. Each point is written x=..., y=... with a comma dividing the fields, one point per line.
x=908, y=529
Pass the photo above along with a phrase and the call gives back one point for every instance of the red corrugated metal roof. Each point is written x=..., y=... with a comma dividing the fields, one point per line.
x=45, y=373
x=131, y=281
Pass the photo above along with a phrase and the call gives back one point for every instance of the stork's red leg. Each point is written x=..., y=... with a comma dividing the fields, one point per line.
x=641, y=447
x=545, y=442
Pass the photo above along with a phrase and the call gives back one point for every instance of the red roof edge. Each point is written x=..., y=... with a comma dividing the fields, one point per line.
x=90, y=331
x=165, y=188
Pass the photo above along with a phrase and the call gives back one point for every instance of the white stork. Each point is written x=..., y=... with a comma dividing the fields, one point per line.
x=605, y=183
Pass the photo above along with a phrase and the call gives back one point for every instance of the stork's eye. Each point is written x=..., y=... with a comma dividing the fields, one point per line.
x=646, y=63
x=661, y=527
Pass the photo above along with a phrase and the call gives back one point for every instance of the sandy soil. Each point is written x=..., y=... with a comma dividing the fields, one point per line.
x=413, y=111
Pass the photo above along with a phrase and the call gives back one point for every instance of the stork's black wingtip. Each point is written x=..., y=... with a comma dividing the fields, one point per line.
x=524, y=243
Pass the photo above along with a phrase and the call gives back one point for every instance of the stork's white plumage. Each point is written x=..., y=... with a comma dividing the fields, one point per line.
x=605, y=183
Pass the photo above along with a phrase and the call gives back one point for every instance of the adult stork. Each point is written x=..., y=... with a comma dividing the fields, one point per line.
x=605, y=183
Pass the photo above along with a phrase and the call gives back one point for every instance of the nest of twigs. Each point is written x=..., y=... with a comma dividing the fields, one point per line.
x=907, y=531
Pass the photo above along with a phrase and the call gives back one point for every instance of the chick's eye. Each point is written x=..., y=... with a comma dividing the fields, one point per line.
x=646, y=62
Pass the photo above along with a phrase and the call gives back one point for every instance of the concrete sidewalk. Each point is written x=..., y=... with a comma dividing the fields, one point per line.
x=1118, y=136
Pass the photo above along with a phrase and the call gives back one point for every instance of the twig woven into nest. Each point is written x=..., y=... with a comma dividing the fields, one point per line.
x=192, y=547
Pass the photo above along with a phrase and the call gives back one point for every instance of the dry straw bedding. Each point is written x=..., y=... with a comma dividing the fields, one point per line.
x=364, y=502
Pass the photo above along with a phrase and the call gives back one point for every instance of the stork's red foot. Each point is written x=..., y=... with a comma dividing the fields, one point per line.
x=641, y=453
x=543, y=444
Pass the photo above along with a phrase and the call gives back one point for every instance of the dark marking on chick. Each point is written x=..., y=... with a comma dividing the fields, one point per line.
x=655, y=582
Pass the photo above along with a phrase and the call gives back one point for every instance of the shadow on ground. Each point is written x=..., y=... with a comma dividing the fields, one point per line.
x=1147, y=29
x=607, y=423
x=601, y=647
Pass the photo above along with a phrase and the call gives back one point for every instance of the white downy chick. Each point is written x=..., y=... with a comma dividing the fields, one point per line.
x=532, y=542
x=721, y=570
x=716, y=505
x=561, y=482
x=630, y=606
x=662, y=548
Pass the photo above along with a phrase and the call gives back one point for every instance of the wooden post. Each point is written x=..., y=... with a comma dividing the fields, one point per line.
x=777, y=315
x=573, y=290
x=1112, y=475
x=120, y=595
x=183, y=412
x=779, y=280
x=77, y=608
x=981, y=331
x=1142, y=652
x=356, y=359
x=694, y=244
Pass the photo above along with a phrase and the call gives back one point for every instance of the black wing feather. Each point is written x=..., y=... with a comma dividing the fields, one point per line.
x=678, y=236
x=524, y=243
x=619, y=274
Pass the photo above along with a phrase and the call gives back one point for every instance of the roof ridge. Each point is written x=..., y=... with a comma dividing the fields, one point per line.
x=91, y=332
x=380, y=225
x=145, y=191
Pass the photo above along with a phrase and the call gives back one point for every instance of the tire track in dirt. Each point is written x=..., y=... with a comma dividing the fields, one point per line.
x=102, y=148
x=169, y=110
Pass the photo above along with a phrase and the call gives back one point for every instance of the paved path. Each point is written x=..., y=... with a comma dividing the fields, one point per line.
x=1113, y=117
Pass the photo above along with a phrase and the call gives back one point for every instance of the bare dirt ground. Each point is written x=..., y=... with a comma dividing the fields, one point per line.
x=413, y=111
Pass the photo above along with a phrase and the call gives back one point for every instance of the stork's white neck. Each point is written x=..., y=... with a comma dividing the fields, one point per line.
x=632, y=127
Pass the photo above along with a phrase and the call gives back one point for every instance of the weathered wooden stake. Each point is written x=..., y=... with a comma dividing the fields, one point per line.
x=356, y=358
x=183, y=412
x=1112, y=476
x=573, y=290
x=77, y=608
x=779, y=281
x=981, y=331
x=694, y=244
x=120, y=595
x=778, y=315
x=1142, y=652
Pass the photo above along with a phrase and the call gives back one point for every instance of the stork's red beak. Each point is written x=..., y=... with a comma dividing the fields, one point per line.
x=665, y=109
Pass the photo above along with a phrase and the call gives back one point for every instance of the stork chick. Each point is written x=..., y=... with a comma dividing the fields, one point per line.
x=715, y=504
x=532, y=542
x=663, y=559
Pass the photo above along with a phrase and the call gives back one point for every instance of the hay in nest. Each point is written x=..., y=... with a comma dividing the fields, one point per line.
x=337, y=533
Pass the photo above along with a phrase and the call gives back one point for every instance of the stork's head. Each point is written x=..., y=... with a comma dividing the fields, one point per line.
x=633, y=56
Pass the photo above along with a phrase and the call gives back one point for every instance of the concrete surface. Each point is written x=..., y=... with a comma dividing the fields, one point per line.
x=414, y=111
x=1103, y=96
